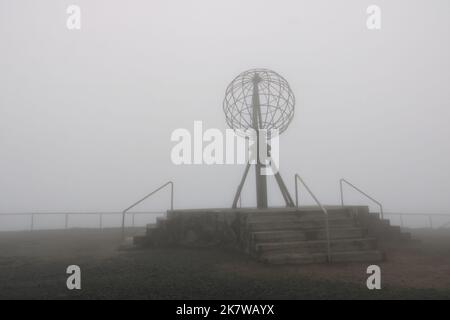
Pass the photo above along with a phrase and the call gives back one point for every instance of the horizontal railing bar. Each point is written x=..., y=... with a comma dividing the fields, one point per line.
x=162, y=212
x=418, y=214
x=79, y=213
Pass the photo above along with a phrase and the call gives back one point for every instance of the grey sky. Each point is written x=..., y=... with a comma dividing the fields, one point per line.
x=86, y=116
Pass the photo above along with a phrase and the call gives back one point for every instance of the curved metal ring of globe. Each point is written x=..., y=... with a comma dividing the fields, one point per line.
x=276, y=101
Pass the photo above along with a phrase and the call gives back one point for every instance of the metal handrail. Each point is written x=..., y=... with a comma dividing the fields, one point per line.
x=327, y=225
x=360, y=191
x=124, y=212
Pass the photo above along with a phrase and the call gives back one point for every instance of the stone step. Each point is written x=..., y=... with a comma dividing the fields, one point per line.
x=383, y=230
x=319, y=246
x=316, y=223
x=294, y=217
x=140, y=240
x=405, y=236
x=374, y=215
x=348, y=256
x=301, y=235
x=384, y=223
x=296, y=213
x=151, y=227
x=160, y=221
x=394, y=235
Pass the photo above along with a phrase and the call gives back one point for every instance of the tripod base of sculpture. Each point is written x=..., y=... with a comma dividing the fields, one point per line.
x=261, y=188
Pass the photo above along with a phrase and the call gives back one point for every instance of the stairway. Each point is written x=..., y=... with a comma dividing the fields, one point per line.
x=382, y=229
x=281, y=235
x=299, y=237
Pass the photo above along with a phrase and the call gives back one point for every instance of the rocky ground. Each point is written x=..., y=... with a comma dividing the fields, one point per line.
x=33, y=266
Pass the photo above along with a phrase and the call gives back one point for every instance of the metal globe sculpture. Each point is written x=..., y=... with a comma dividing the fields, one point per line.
x=274, y=96
x=260, y=99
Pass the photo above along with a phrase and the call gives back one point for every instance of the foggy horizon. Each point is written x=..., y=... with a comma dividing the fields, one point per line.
x=86, y=117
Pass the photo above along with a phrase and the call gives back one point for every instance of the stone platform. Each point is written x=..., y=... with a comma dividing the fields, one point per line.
x=279, y=235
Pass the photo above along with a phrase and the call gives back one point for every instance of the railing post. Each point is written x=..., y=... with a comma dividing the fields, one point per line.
x=32, y=222
x=123, y=224
x=401, y=220
x=132, y=219
x=431, y=221
x=171, y=195
x=101, y=221
x=67, y=221
x=296, y=190
x=327, y=228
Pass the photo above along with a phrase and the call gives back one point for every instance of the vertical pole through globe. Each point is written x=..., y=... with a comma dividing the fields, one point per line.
x=261, y=181
x=260, y=100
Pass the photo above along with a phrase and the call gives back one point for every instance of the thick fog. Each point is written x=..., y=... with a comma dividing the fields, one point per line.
x=86, y=115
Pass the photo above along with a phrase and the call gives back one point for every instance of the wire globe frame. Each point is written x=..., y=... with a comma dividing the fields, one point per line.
x=277, y=102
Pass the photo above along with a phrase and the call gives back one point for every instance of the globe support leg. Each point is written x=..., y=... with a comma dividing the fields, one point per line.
x=241, y=185
x=284, y=191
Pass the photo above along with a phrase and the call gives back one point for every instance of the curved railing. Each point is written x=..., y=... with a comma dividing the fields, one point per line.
x=124, y=212
x=327, y=225
x=342, y=181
